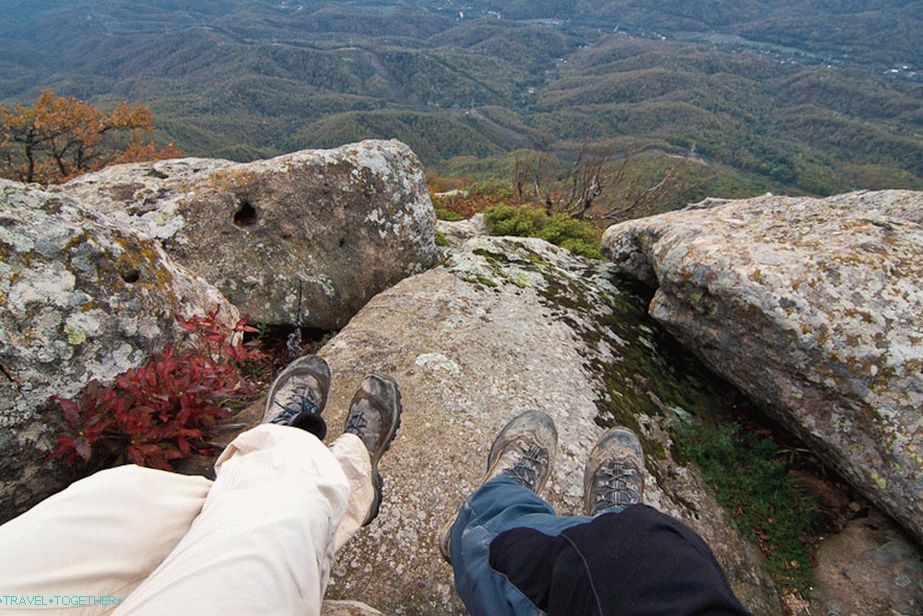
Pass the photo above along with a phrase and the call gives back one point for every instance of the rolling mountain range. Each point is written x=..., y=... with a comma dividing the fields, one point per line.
x=795, y=95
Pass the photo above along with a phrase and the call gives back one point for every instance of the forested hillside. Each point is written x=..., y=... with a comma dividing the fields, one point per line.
x=800, y=95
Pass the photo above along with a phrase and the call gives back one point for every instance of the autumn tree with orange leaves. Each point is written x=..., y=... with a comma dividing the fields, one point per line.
x=61, y=137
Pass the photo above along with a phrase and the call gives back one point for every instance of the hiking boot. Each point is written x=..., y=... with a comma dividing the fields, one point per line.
x=374, y=416
x=298, y=395
x=523, y=451
x=614, y=475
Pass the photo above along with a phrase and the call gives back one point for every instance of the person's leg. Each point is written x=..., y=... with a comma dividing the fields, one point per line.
x=297, y=398
x=265, y=539
x=104, y=535
x=500, y=505
x=263, y=542
x=276, y=474
x=281, y=495
x=518, y=466
x=353, y=456
x=637, y=562
x=626, y=559
x=101, y=537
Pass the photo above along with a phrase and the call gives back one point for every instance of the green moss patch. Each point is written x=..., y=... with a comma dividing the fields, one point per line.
x=482, y=280
x=448, y=215
x=750, y=481
x=494, y=258
x=651, y=372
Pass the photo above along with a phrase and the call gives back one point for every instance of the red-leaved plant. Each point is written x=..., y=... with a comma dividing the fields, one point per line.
x=160, y=412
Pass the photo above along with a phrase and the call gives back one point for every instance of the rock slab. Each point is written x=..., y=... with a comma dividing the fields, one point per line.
x=305, y=238
x=869, y=568
x=506, y=325
x=813, y=307
x=80, y=299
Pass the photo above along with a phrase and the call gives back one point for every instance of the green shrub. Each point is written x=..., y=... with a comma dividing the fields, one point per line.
x=578, y=236
x=769, y=507
x=441, y=239
x=448, y=215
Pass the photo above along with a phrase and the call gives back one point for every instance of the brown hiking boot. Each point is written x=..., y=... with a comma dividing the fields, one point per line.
x=523, y=451
x=374, y=416
x=614, y=474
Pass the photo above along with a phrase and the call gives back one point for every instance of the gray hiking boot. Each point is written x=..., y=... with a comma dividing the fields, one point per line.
x=299, y=392
x=523, y=451
x=614, y=475
x=374, y=416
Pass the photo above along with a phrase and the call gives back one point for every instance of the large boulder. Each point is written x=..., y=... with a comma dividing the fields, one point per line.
x=814, y=307
x=305, y=238
x=80, y=299
x=503, y=326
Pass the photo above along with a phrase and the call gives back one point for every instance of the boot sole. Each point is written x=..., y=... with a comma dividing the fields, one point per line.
x=445, y=539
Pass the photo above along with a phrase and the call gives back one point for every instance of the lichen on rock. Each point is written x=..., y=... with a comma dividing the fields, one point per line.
x=82, y=300
x=307, y=237
x=814, y=307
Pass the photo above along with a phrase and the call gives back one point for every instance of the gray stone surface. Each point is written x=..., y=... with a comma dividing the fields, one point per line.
x=507, y=325
x=313, y=234
x=80, y=299
x=815, y=309
x=459, y=232
x=347, y=608
x=871, y=568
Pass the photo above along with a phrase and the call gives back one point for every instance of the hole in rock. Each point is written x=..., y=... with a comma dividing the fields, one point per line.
x=245, y=216
x=130, y=276
x=342, y=242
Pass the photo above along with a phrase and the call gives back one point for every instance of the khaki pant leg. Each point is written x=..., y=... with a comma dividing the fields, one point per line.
x=264, y=540
x=353, y=457
x=101, y=537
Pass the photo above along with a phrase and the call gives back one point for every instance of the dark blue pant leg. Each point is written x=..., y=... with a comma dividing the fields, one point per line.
x=499, y=505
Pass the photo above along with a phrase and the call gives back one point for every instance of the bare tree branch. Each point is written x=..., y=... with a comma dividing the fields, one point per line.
x=592, y=180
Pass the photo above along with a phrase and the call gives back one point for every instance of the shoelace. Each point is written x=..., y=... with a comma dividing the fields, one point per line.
x=528, y=466
x=356, y=422
x=613, y=485
x=299, y=403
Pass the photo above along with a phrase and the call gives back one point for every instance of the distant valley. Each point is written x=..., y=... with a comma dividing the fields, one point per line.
x=787, y=95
